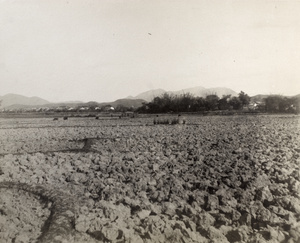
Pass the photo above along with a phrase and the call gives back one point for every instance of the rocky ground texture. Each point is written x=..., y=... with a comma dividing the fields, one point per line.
x=214, y=179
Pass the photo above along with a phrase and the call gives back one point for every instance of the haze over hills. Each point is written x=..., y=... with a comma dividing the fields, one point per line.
x=195, y=91
x=15, y=101
x=148, y=95
x=12, y=99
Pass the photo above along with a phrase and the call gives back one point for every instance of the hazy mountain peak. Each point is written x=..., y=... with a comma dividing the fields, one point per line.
x=197, y=91
x=12, y=99
x=149, y=95
x=220, y=91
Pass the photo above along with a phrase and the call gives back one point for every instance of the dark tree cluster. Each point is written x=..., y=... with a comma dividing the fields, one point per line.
x=282, y=104
x=189, y=103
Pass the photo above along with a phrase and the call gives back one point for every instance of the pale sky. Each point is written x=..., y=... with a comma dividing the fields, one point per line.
x=102, y=50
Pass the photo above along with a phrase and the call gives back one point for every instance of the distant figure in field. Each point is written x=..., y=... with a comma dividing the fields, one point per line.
x=65, y=118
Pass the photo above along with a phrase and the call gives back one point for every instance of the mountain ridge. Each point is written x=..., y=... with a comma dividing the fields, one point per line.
x=12, y=99
x=16, y=101
x=135, y=103
x=195, y=91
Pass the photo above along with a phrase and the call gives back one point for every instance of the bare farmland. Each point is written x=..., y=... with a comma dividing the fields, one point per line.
x=214, y=179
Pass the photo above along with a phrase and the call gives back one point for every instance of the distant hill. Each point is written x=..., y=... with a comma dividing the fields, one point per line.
x=148, y=95
x=258, y=98
x=12, y=99
x=15, y=101
x=195, y=91
x=203, y=92
x=129, y=103
x=261, y=97
x=220, y=91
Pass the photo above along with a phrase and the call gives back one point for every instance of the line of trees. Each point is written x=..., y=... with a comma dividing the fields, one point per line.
x=189, y=103
x=281, y=104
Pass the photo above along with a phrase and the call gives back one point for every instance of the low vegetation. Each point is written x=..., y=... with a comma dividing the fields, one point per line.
x=281, y=104
x=188, y=103
x=169, y=120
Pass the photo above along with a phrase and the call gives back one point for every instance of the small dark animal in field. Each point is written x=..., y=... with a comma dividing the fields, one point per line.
x=97, y=117
x=65, y=118
x=55, y=119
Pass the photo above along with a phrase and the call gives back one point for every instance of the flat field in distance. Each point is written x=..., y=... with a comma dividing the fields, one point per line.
x=213, y=179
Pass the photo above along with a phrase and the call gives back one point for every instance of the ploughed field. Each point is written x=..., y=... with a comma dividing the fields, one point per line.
x=214, y=179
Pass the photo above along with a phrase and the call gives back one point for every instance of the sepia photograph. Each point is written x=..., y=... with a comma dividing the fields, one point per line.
x=149, y=121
